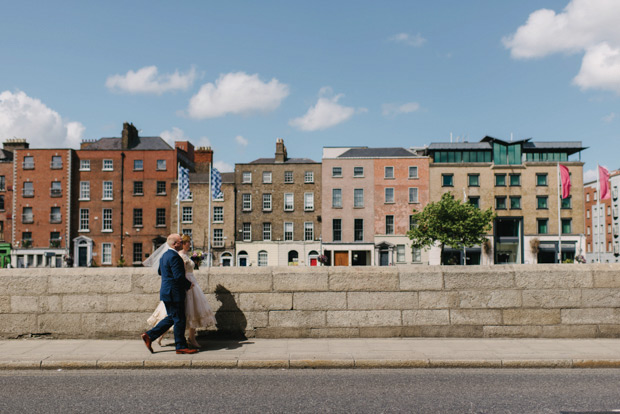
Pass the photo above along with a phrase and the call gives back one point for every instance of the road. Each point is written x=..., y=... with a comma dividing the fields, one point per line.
x=311, y=391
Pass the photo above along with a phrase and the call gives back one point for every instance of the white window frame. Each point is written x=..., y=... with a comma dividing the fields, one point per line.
x=389, y=195
x=161, y=165
x=107, y=193
x=358, y=198
x=289, y=206
x=263, y=258
x=358, y=172
x=246, y=202
x=187, y=214
x=416, y=255
x=389, y=227
x=308, y=231
x=290, y=232
x=389, y=176
x=337, y=172
x=106, y=220
x=218, y=237
x=267, y=231
x=414, y=195
x=267, y=202
x=267, y=177
x=84, y=165
x=218, y=217
x=106, y=253
x=400, y=253
x=84, y=220
x=309, y=177
x=308, y=201
x=288, y=177
x=84, y=190
x=108, y=165
x=414, y=169
x=246, y=232
x=338, y=198
x=246, y=177
x=141, y=167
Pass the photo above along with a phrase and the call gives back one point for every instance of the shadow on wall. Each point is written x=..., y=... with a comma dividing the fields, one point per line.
x=230, y=320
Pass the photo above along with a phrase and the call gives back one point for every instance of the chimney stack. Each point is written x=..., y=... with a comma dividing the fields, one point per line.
x=280, y=151
x=129, y=137
x=202, y=157
x=12, y=144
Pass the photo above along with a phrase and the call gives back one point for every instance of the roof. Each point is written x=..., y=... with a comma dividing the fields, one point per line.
x=572, y=146
x=143, y=143
x=485, y=143
x=464, y=146
x=377, y=153
x=228, y=177
x=288, y=161
x=5, y=156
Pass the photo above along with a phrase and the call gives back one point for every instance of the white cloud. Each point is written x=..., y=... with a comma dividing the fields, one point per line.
x=325, y=114
x=223, y=166
x=410, y=40
x=236, y=93
x=177, y=134
x=391, y=110
x=148, y=80
x=589, y=175
x=24, y=117
x=609, y=117
x=589, y=26
x=241, y=141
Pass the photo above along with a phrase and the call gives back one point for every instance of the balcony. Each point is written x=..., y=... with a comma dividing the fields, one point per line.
x=28, y=165
x=27, y=218
x=27, y=193
x=27, y=243
x=56, y=192
x=614, y=193
x=55, y=165
x=55, y=218
x=615, y=210
x=218, y=243
x=55, y=243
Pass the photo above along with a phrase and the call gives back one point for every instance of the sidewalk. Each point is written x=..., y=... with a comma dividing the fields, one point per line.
x=315, y=353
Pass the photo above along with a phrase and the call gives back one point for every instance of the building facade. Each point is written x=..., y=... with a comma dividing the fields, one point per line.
x=602, y=222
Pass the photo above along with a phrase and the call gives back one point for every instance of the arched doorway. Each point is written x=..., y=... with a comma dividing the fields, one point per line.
x=313, y=258
x=226, y=259
x=242, y=258
x=82, y=251
x=293, y=258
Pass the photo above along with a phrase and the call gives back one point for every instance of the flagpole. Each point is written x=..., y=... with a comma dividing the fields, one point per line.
x=178, y=199
x=598, y=212
x=209, y=225
x=559, y=217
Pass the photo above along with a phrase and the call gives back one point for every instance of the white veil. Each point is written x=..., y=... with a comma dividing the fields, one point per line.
x=153, y=260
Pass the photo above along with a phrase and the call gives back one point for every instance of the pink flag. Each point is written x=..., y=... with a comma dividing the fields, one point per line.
x=603, y=177
x=565, y=175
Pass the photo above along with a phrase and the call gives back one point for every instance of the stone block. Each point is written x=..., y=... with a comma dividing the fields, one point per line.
x=420, y=278
x=531, y=316
x=104, y=281
x=438, y=300
x=274, y=333
x=334, y=333
x=595, y=316
x=237, y=321
x=551, y=298
x=445, y=331
x=478, y=277
x=558, y=276
x=426, y=317
x=241, y=279
x=146, y=283
x=84, y=303
x=363, y=318
x=605, y=275
x=24, y=304
x=489, y=299
x=257, y=320
x=265, y=301
x=600, y=298
x=18, y=324
x=132, y=302
x=372, y=279
x=293, y=279
x=114, y=324
x=569, y=331
x=475, y=317
x=382, y=300
x=320, y=301
x=61, y=324
x=381, y=332
x=608, y=331
x=5, y=304
x=22, y=282
x=296, y=319
x=512, y=331
x=50, y=304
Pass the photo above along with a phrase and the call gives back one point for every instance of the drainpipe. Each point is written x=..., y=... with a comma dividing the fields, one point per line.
x=122, y=192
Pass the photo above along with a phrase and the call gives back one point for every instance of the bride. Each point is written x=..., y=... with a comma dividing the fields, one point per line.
x=197, y=309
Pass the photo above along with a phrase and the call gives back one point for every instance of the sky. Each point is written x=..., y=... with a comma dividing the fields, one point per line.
x=238, y=75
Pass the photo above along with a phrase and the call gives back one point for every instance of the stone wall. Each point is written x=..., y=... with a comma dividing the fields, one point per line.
x=500, y=301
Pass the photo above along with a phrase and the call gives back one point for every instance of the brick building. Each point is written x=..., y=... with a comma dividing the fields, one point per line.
x=6, y=197
x=602, y=222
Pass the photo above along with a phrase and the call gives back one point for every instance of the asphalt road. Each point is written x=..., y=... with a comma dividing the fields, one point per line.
x=311, y=391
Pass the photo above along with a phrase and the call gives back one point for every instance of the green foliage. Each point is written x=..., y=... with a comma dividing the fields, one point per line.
x=451, y=223
x=121, y=262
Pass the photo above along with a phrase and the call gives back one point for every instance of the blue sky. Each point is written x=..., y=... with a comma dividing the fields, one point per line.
x=238, y=75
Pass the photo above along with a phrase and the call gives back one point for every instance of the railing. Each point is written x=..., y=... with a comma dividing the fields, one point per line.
x=55, y=243
x=28, y=193
x=26, y=243
x=218, y=243
x=27, y=218
x=28, y=165
x=55, y=218
x=56, y=165
x=56, y=192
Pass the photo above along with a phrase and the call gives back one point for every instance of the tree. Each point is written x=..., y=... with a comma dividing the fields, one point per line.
x=451, y=223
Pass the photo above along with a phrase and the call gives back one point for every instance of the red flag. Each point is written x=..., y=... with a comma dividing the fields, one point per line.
x=603, y=177
x=565, y=175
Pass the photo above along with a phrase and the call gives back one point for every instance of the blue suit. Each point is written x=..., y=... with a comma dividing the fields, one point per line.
x=172, y=293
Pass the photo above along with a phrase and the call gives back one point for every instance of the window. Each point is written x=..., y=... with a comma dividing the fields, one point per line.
x=218, y=214
x=541, y=179
x=337, y=172
x=160, y=217
x=266, y=202
x=84, y=165
x=187, y=231
x=106, y=253
x=567, y=227
x=358, y=198
x=416, y=255
x=336, y=198
x=337, y=229
x=289, y=202
x=587, y=196
x=389, y=195
x=137, y=252
x=588, y=230
x=28, y=163
x=413, y=172
x=56, y=190
x=2, y=183
x=413, y=223
x=107, y=190
x=266, y=231
x=266, y=177
x=515, y=180
x=473, y=180
x=413, y=194
x=246, y=203
x=588, y=213
x=84, y=190
x=246, y=232
x=474, y=201
x=288, y=231
x=309, y=177
x=447, y=180
x=358, y=171
x=358, y=232
x=56, y=162
x=541, y=202
x=389, y=224
x=515, y=202
x=55, y=216
x=108, y=165
x=246, y=177
x=308, y=201
x=27, y=216
x=84, y=219
x=1, y=208
x=161, y=188
x=107, y=219
x=161, y=165
x=27, y=235
x=137, y=188
x=389, y=172
x=566, y=204
x=500, y=180
x=187, y=215
x=137, y=217
x=263, y=258
x=218, y=237
x=138, y=165
x=400, y=253
x=28, y=189
x=500, y=203
x=288, y=177
x=308, y=231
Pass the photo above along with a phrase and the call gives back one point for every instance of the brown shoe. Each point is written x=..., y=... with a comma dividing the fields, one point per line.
x=147, y=341
x=187, y=351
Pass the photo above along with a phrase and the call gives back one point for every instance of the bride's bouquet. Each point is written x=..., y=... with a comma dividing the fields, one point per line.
x=197, y=257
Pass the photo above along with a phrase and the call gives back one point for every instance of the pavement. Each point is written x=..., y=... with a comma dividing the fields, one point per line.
x=313, y=353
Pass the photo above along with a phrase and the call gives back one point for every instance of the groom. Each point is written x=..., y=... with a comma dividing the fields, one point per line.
x=172, y=293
